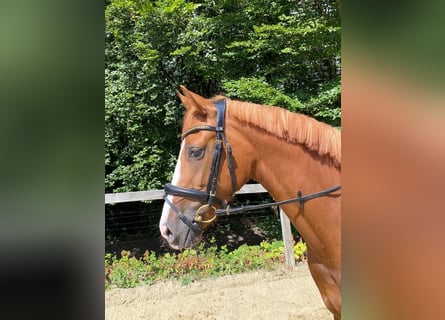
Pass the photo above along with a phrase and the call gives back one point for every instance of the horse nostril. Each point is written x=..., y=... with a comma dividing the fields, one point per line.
x=165, y=232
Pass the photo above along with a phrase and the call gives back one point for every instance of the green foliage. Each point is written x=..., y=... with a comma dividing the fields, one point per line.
x=271, y=52
x=322, y=105
x=257, y=90
x=299, y=249
x=194, y=264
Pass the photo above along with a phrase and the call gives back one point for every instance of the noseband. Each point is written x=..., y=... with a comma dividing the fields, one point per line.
x=209, y=195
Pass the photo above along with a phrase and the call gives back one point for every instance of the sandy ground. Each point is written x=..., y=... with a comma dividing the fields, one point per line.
x=279, y=294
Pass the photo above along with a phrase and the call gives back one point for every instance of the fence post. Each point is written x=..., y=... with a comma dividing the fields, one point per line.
x=287, y=240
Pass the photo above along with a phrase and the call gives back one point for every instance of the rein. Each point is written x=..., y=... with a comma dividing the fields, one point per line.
x=210, y=195
x=300, y=199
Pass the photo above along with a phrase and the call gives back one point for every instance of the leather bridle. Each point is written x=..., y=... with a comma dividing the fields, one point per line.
x=209, y=195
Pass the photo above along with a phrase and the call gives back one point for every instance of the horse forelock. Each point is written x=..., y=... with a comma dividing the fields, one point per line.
x=292, y=127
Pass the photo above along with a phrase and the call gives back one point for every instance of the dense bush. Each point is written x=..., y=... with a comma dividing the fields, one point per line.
x=284, y=53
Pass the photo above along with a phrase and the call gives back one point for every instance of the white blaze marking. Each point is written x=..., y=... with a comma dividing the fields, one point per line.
x=166, y=208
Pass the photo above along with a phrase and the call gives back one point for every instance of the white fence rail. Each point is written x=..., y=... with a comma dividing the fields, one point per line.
x=112, y=198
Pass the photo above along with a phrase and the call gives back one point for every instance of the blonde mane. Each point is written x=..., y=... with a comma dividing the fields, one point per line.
x=294, y=128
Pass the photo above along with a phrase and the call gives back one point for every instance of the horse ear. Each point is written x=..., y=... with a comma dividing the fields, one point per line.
x=194, y=102
x=187, y=102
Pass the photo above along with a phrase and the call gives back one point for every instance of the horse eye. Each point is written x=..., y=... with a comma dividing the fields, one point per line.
x=195, y=153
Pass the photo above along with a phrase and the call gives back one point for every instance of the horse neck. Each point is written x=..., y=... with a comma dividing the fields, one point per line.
x=281, y=165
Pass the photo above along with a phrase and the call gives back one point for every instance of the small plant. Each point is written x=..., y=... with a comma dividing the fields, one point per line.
x=192, y=264
x=299, y=250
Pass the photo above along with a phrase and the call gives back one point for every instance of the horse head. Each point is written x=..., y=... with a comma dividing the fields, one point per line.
x=204, y=178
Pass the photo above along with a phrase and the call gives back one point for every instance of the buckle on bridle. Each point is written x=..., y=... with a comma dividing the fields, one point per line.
x=199, y=217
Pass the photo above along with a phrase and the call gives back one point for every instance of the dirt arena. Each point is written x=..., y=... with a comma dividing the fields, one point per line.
x=259, y=295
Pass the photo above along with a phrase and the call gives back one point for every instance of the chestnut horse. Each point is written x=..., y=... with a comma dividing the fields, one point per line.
x=226, y=143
